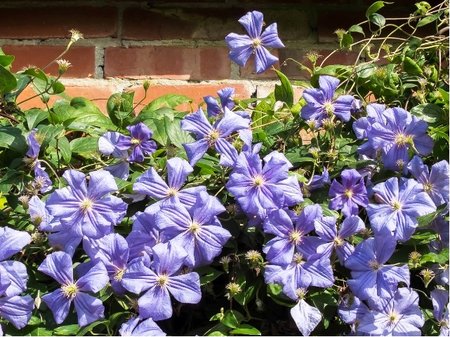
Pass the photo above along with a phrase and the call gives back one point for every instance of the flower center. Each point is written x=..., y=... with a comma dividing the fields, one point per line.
x=86, y=205
x=298, y=258
x=396, y=205
x=258, y=180
x=295, y=237
x=213, y=136
x=118, y=275
x=135, y=141
x=70, y=290
x=329, y=108
x=401, y=139
x=393, y=318
x=374, y=265
x=194, y=228
x=256, y=42
x=171, y=192
x=162, y=280
x=427, y=187
x=348, y=193
x=338, y=241
x=400, y=163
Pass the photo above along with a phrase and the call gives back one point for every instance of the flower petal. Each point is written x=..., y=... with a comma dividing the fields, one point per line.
x=58, y=265
x=58, y=304
x=88, y=308
x=12, y=242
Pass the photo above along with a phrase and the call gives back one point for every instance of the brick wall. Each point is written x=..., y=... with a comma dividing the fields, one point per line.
x=178, y=45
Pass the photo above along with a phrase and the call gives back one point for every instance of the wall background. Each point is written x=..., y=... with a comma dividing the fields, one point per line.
x=178, y=45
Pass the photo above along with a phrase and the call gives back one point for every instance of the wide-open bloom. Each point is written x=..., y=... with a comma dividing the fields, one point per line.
x=197, y=230
x=213, y=135
x=400, y=133
x=371, y=276
x=321, y=104
x=435, y=182
x=334, y=239
x=139, y=142
x=244, y=46
x=151, y=184
x=260, y=189
x=226, y=101
x=87, y=209
x=399, y=315
x=399, y=202
x=136, y=327
x=349, y=193
x=58, y=265
x=161, y=281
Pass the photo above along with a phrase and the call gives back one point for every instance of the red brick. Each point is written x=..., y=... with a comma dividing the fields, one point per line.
x=53, y=22
x=168, y=62
x=81, y=58
x=329, y=21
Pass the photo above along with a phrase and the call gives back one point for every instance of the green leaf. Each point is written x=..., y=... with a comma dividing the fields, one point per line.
x=430, y=113
x=373, y=8
x=336, y=70
x=356, y=29
x=86, y=145
x=232, y=319
x=377, y=19
x=120, y=107
x=64, y=148
x=67, y=330
x=88, y=115
x=166, y=101
x=246, y=329
x=208, y=274
x=428, y=19
x=159, y=130
x=427, y=219
x=49, y=133
x=155, y=114
x=284, y=92
x=34, y=117
x=365, y=70
x=176, y=135
x=37, y=73
x=91, y=326
x=11, y=137
x=346, y=41
x=422, y=237
x=441, y=257
x=8, y=81
x=57, y=87
x=411, y=67
x=6, y=60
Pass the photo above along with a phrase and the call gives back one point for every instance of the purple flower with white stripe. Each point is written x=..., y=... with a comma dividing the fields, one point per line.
x=136, y=327
x=435, y=182
x=151, y=184
x=244, y=46
x=213, y=135
x=161, y=281
x=139, y=142
x=58, y=266
x=226, y=101
x=371, y=276
x=321, y=104
x=399, y=202
x=334, y=239
x=197, y=230
x=87, y=209
x=349, y=193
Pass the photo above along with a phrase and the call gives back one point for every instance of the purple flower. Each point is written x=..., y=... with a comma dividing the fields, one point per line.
x=435, y=182
x=243, y=46
x=151, y=184
x=33, y=146
x=226, y=101
x=348, y=194
x=139, y=142
x=305, y=316
x=88, y=210
x=399, y=203
x=290, y=234
x=320, y=103
x=439, y=298
x=400, y=133
x=197, y=230
x=135, y=327
x=58, y=265
x=107, y=145
x=374, y=115
x=259, y=189
x=371, y=277
x=161, y=281
x=327, y=231
x=16, y=309
x=351, y=309
x=317, y=182
x=213, y=135
x=111, y=250
x=398, y=315
x=42, y=181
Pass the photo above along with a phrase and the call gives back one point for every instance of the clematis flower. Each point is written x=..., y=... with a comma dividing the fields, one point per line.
x=399, y=203
x=260, y=189
x=439, y=298
x=321, y=104
x=291, y=234
x=58, y=266
x=87, y=209
x=244, y=46
x=164, y=278
x=139, y=142
x=361, y=127
x=371, y=276
x=349, y=194
x=197, y=230
x=151, y=184
x=317, y=181
x=33, y=145
x=212, y=135
x=334, y=239
x=351, y=309
x=400, y=133
x=398, y=315
x=305, y=316
x=42, y=181
x=136, y=327
x=107, y=145
x=435, y=182
x=226, y=101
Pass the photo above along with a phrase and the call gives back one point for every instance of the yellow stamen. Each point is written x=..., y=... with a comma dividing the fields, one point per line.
x=70, y=290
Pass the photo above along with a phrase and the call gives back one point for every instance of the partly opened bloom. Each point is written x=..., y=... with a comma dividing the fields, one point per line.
x=244, y=46
x=349, y=193
x=139, y=142
x=399, y=202
x=441, y=309
x=107, y=145
x=226, y=101
x=58, y=265
x=87, y=209
x=136, y=327
x=321, y=104
x=371, y=277
x=399, y=315
x=212, y=135
x=162, y=280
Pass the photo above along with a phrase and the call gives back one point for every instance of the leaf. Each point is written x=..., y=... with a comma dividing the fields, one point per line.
x=377, y=19
x=356, y=29
x=365, y=70
x=57, y=87
x=428, y=112
x=336, y=70
x=88, y=115
x=208, y=274
x=246, y=329
x=373, y=8
x=232, y=319
x=120, y=107
x=306, y=317
x=441, y=257
x=428, y=19
x=176, y=135
x=6, y=60
x=166, y=101
x=346, y=41
x=411, y=67
x=86, y=144
x=34, y=117
x=49, y=133
x=155, y=114
x=8, y=81
x=427, y=219
x=284, y=92
x=12, y=138
x=64, y=148
x=91, y=326
x=67, y=330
